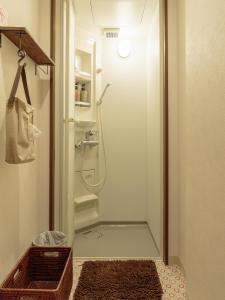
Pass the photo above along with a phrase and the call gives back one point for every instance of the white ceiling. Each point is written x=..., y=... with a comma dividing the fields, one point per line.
x=111, y=13
x=117, y=13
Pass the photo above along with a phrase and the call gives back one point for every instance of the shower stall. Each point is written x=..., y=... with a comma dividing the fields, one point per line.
x=113, y=135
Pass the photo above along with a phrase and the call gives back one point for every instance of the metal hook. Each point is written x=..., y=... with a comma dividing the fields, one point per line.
x=22, y=54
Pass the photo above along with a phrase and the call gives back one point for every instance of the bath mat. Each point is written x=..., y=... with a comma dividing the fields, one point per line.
x=119, y=280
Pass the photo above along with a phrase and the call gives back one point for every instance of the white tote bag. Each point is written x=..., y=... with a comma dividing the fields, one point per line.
x=20, y=131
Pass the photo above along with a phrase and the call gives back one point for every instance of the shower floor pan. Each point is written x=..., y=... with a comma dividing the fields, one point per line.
x=115, y=240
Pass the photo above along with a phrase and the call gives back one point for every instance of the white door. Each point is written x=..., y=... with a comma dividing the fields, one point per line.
x=67, y=201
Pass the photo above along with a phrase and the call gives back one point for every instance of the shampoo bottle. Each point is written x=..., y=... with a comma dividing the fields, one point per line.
x=77, y=92
x=83, y=94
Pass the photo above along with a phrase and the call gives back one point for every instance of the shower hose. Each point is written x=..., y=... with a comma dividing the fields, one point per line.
x=102, y=181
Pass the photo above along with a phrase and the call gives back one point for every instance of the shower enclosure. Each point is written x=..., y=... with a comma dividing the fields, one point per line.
x=112, y=152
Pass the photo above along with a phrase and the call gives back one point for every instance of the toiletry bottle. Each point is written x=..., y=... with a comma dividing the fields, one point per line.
x=77, y=92
x=83, y=94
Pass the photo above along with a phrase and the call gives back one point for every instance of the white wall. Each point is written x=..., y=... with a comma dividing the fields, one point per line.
x=124, y=121
x=24, y=188
x=201, y=145
x=154, y=124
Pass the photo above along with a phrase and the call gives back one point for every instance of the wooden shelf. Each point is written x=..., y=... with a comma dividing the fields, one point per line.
x=31, y=47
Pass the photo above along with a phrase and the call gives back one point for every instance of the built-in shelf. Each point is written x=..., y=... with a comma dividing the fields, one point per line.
x=86, y=211
x=85, y=199
x=89, y=143
x=20, y=36
x=82, y=77
x=82, y=104
x=85, y=123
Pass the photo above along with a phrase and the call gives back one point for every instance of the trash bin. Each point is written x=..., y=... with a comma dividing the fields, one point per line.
x=50, y=239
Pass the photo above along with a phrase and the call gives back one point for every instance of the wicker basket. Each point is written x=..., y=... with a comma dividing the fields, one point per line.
x=42, y=274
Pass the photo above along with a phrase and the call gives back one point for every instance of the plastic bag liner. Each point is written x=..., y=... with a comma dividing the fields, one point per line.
x=50, y=239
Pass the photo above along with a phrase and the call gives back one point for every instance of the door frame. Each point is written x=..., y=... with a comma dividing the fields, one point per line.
x=52, y=149
x=62, y=189
x=52, y=120
x=165, y=135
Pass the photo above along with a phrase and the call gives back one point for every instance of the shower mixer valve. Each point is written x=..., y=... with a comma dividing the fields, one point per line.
x=89, y=140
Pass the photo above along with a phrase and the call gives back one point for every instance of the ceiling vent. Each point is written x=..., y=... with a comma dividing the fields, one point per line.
x=111, y=33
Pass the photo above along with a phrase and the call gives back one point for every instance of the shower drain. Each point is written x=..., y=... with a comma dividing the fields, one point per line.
x=92, y=234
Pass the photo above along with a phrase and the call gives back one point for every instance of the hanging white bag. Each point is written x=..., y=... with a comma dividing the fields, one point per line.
x=20, y=130
x=3, y=16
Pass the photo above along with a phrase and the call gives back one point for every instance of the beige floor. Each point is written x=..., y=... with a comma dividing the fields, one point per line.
x=171, y=278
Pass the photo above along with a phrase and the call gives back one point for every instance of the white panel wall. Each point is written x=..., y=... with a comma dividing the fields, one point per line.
x=24, y=188
x=124, y=120
x=201, y=145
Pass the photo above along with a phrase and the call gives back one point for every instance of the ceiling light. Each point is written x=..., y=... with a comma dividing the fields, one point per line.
x=124, y=49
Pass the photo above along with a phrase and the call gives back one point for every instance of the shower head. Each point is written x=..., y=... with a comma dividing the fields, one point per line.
x=99, y=102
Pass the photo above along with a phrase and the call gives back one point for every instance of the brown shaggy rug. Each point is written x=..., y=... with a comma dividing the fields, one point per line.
x=119, y=280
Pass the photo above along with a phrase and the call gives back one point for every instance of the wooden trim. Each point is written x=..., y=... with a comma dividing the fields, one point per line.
x=166, y=140
x=52, y=123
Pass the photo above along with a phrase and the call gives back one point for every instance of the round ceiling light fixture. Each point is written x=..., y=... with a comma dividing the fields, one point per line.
x=124, y=49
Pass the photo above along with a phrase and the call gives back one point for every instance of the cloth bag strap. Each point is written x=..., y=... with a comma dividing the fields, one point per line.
x=20, y=72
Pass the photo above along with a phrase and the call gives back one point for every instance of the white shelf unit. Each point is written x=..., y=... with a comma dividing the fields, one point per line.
x=84, y=75
x=86, y=204
x=85, y=123
x=86, y=211
x=85, y=199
